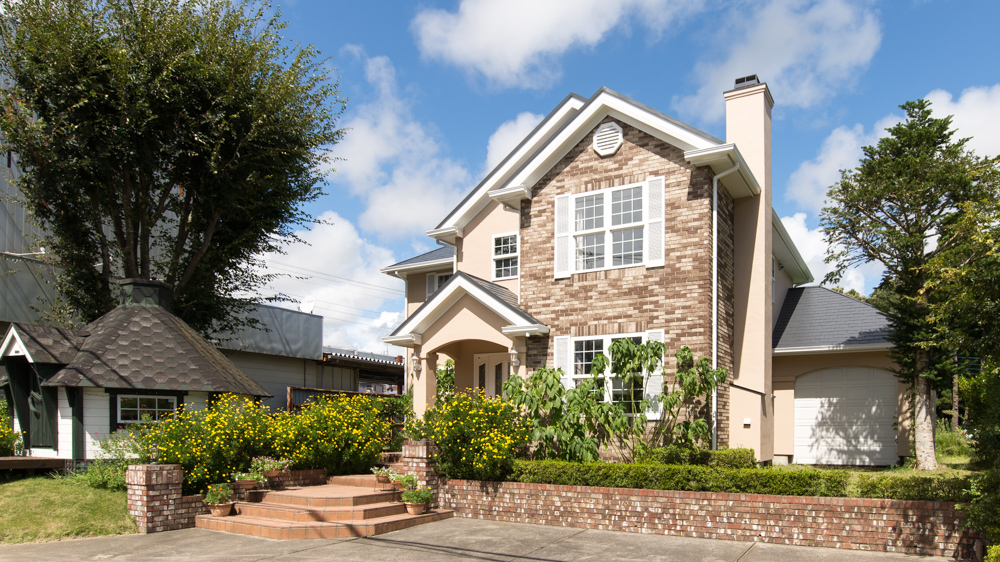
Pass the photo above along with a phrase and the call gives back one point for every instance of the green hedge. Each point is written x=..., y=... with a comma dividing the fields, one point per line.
x=695, y=478
x=914, y=488
x=675, y=454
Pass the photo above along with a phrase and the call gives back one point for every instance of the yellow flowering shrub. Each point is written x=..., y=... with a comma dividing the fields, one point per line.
x=8, y=437
x=478, y=436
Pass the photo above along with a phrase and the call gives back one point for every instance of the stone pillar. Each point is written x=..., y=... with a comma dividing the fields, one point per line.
x=418, y=459
x=154, y=495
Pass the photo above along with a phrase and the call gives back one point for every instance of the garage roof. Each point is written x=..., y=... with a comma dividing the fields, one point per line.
x=816, y=319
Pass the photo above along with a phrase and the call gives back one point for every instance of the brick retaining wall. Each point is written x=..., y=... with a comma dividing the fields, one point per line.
x=912, y=527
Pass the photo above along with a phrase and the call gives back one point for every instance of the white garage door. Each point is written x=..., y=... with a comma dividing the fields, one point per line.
x=845, y=415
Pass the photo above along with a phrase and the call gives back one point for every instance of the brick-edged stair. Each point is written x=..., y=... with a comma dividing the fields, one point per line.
x=349, y=506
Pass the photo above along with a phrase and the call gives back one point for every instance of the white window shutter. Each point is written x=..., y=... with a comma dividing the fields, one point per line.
x=561, y=358
x=562, y=242
x=432, y=284
x=654, y=385
x=654, y=223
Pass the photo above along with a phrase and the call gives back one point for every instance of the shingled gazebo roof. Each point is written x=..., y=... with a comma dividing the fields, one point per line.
x=139, y=344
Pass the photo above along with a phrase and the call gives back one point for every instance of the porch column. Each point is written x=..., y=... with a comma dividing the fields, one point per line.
x=424, y=382
x=520, y=347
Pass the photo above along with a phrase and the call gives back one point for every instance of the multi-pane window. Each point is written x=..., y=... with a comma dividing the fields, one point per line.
x=505, y=256
x=608, y=222
x=584, y=351
x=621, y=391
x=135, y=408
x=435, y=281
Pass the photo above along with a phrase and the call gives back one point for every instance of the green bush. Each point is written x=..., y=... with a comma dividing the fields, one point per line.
x=680, y=454
x=887, y=486
x=951, y=443
x=8, y=437
x=992, y=554
x=981, y=395
x=342, y=434
x=982, y=512
x=808, y=482
x=478, y=436
x=115, y=453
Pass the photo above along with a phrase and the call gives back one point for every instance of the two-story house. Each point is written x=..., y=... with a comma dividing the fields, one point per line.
x=613, y=220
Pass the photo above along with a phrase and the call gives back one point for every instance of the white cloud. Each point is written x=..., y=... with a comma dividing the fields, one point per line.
x=517, y=43
x=339, y=270
x=507, y=136
x=841, y=150
x=976, y=114
x=394, y=162
x=812, y=247
x=806, y=51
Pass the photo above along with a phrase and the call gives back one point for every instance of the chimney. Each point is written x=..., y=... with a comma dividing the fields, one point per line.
x=748, y=125
x=144, y=292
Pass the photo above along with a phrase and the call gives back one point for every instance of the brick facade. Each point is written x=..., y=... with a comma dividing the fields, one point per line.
x=418, y=459
x=911, y=527
x=676, y=298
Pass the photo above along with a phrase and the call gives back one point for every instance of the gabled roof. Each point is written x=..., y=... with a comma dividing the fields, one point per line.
x=565, y=127
x=500, y=300
x=436, y=258
x=818, y=320
x=42, y=344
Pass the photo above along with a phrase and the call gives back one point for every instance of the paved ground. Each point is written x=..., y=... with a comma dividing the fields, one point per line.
x=452, y=539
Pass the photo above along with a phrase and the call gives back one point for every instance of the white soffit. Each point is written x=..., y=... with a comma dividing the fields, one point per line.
x=823, y=349
x=428, y=266
x=784, y=249
x=476, y=200
x=721, y=158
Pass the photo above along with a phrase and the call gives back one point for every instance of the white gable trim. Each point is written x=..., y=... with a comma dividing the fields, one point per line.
x=722, y=158
x=818, y=349
x=456, y=288
x=784, y=249
x=14, y=347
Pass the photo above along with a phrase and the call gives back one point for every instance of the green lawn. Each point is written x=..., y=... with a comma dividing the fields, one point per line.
x=48, y=508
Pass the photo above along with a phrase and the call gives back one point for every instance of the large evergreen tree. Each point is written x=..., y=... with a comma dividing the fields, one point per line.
x=163, y=139
x=901, y=207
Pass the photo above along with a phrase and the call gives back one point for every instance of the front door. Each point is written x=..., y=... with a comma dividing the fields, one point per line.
x=492, y=370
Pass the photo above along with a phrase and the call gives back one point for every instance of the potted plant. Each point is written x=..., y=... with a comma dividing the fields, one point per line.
x=270, y=467
x=217, y=499
x=384, y=475
x=417, y=500
x=244, y=481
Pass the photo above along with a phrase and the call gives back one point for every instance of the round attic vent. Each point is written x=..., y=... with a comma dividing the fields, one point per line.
x=608, y=139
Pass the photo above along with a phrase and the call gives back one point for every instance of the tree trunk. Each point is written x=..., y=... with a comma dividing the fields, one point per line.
x=954, y=402
x=923, y=424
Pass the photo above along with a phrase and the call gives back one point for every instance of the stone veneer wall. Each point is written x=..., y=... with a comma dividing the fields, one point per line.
x=912, y=527
x=676, y=298
x=154, y=495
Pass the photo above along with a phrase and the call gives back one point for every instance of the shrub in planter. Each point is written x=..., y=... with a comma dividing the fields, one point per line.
x=684, y=477
x=682, y=454
x=478, y=436
x=340, y=434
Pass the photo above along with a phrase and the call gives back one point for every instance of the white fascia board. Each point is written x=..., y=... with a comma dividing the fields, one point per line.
x=14, y=347
x=721, y=158
x=409, y=340
x=404, y=271
x=525, y=331
x=444, y=299
x=603, y=105
x=510, y=196
x=786, y=252
x=447, y=234
x=478, y=199
x=820, y=349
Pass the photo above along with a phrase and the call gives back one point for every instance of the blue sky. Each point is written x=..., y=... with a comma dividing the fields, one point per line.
x=438, y=91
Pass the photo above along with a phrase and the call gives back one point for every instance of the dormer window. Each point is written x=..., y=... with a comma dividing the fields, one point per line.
x=505, y=256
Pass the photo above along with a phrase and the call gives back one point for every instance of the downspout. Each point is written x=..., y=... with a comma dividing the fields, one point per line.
x=715, y=297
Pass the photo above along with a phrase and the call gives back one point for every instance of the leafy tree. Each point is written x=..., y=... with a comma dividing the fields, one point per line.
x=163, y=139
x=446, y=380
x=901, y=207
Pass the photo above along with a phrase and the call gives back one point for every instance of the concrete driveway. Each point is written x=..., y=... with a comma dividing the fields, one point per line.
x=452, y=539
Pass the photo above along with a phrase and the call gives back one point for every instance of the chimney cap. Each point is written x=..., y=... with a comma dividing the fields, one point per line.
x=746, y=82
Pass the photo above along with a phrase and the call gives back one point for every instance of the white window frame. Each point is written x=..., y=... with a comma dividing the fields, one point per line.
x=607, y=229
x=118, y=405
x=608, y=377
x=516, y=255
x=434, y=282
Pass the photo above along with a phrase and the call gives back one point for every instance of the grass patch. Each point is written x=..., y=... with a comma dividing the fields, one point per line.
x=48, y=508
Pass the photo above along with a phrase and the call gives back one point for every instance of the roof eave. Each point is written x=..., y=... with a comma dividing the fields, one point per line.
x=821, y=349
x=403, y=271
x=447, y=234
x=722, y=158
x=787, y=253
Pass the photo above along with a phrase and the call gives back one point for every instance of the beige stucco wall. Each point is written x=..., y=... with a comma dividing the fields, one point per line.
x=748, y=124
x=416, y=288
x=787, y=369
x=474, y=251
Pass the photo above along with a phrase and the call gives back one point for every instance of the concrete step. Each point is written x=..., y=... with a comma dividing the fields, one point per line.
x=330, y=495
x=361, y=481
x=284, y=512
x=286, y=530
